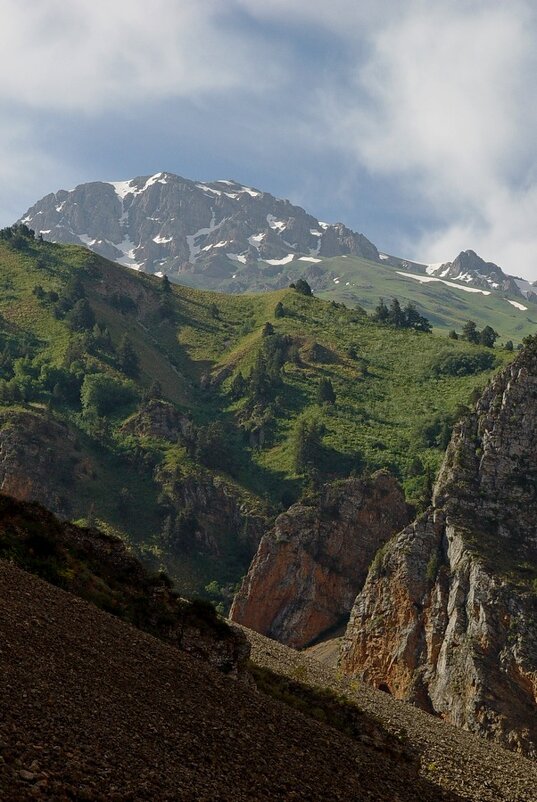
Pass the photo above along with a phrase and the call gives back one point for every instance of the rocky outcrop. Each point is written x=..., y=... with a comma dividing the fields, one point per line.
x=308, y=569
x=447, y=617
x=161, y=420
x=209, y=515
x=474, y=271
x=40, y=459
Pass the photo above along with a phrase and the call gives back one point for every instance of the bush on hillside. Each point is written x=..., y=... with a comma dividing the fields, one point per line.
x=450, y=363
x=101, y=394
x=303, y=287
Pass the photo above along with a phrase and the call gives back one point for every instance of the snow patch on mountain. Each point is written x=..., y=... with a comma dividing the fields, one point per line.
x=192, y=239
x=284, y=261
x=128, y=249
x=124, y=188
x=88, y=241
x=518, y=306
x=429, y=269
x=428, y=279
x=255, y=239
x=276, y=225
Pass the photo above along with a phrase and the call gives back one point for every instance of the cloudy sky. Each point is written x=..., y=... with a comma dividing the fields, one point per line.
x=413, y=122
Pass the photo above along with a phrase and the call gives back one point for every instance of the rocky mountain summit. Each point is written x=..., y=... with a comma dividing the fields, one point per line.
x=447, y=617
x=308, y=569
x=476, y=272
x=226, y=236
x=166, y=224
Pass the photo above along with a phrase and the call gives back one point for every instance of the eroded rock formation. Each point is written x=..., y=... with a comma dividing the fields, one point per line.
x=308, y=569
x=447, y=618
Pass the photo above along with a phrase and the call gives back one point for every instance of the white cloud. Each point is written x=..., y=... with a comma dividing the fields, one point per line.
x=444, y=99
x=437, y=96
x=90, y=56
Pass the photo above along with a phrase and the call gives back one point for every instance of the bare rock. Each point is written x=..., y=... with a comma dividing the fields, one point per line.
x=308, y=569
x=447, y=616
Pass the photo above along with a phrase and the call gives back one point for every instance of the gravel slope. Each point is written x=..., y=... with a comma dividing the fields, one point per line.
x=455, y=759
x=92, y=709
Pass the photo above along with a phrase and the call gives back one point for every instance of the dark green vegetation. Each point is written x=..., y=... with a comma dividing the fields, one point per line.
x=184, y=420
x=98, y=568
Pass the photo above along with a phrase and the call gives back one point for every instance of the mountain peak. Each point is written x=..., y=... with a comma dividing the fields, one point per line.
x=472, y=269
x=166, y=224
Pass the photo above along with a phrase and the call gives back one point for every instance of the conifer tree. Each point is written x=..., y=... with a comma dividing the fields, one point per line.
x=128, y=358
x=325, y=392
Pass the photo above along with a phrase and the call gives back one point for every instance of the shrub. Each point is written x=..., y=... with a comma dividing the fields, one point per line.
x=303, y=287
x=102, y=394
x=448, y=363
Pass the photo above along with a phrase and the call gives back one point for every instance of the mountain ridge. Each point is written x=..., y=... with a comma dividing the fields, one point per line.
x=224, y=231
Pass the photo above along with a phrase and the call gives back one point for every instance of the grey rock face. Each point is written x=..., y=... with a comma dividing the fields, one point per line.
x=447, y=618
x=170, y=225
x=474, y=271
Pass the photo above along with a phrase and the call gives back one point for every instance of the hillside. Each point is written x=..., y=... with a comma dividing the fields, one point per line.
x=227, y=237
x=187, y=439
x=91, y=708
x=458, y=761
x=447, y=303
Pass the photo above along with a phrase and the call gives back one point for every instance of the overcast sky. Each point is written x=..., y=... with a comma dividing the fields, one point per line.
x=413, y=122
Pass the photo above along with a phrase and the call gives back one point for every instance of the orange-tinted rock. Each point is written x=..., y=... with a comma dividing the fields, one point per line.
x=308, y=569
x=447, y=618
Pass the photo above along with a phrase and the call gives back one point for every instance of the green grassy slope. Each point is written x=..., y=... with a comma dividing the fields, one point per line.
x=446, y=307
x=392, y=409
x=353, y=280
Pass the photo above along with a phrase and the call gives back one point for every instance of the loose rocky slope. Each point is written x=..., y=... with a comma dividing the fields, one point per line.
x=99, y=568
x=93, y=709
x=454, y=760
x=447, y=617
x=308, y=569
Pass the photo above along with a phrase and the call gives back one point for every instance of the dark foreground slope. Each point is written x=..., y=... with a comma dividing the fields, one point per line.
x=451, y=758
x=92, y=709
x=100, y=569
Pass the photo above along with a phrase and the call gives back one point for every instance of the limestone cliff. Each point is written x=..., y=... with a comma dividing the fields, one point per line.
x=308, y=569
x=447, y=617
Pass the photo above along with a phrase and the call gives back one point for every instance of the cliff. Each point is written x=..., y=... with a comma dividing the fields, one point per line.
x=308, y=569
x=447, y=617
